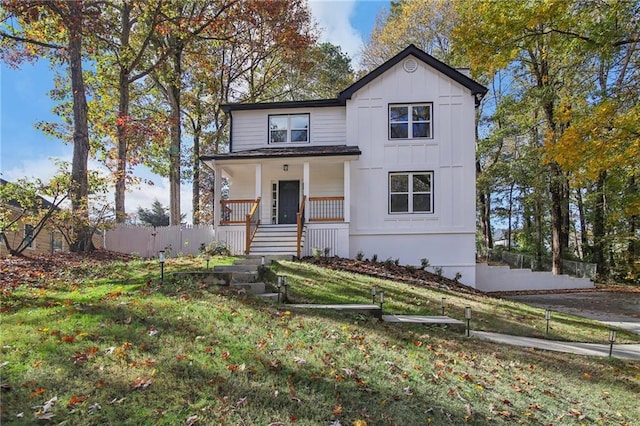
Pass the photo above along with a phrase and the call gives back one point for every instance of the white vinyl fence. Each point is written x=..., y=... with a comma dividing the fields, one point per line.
x=146, y=241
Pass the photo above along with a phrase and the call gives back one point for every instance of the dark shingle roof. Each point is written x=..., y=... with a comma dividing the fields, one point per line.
x=287, y=152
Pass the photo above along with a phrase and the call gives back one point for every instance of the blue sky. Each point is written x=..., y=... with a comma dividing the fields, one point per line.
x=27, y=152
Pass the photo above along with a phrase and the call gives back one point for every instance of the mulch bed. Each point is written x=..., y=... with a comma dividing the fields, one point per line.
x=391, y=271
x=36, y=269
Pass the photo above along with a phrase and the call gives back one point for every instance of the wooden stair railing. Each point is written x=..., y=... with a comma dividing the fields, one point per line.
x=300, y=224
x=252, y=222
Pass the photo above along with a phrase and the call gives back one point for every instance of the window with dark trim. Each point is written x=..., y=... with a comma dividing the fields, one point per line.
x=410, y=121
x=411, y=192
x=289, y=128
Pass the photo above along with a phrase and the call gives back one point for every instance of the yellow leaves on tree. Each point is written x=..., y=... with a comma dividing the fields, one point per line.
x=602, y=138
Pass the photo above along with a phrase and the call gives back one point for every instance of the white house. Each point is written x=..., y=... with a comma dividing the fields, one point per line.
x=387, y=168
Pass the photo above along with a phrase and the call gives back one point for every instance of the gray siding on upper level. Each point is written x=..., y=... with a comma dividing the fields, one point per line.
x=327, y=126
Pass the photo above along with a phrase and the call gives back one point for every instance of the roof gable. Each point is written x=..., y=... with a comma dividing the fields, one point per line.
x=476, y=88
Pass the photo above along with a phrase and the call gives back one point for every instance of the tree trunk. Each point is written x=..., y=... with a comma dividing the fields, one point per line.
x=484, y=200
x=557, y=224
x=174, y=92
x=539, y=233
x=79, y=172
x=123, y=120
x=195, y=197
x=598, y=226
x=584, y=243
x=632, y=188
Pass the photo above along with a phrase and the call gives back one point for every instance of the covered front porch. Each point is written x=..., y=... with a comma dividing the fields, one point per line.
x=303, y=193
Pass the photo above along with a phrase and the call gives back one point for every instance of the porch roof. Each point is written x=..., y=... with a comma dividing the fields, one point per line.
x=286, y=152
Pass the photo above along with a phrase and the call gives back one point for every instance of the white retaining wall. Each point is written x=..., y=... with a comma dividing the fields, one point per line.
x=146, y=241
x=502, y=278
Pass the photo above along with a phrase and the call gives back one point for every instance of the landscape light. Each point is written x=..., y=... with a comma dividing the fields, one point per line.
x=161, y=260
x=381, y=298
x=262, y=261
x=279, y=285
x=285, y=284
x=612, y=339
x=443, y=305
x=373, y=295
x=547, y=317
x=467, y=316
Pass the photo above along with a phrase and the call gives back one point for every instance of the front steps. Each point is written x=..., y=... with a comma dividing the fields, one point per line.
x=276, y=240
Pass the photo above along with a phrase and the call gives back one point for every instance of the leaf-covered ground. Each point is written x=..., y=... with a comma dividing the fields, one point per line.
x=92, y=342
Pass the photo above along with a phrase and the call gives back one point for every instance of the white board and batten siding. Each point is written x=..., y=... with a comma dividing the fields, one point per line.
x=175, y=240
x=327, y=126
x=445, y=237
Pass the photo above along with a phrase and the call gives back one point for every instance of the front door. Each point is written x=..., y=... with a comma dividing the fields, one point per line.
x=288, y=200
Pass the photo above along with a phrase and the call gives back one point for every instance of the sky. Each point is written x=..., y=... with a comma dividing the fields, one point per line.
x=26, y=152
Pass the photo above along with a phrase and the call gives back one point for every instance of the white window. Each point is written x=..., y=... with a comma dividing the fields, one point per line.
x=289, y=128
x=411, y=192
x=28, y=236
x=410, y=121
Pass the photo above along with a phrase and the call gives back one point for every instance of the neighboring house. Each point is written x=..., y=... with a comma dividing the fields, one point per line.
x=386, y=169
x=48, y=240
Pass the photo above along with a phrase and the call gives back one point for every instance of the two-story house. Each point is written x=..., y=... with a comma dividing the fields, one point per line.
x=385, y=169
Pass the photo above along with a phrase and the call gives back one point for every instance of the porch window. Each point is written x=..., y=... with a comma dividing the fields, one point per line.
x=410, y=121
x=289, y=128
x=411, y=192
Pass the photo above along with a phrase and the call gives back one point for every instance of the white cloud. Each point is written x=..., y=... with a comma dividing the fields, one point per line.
x=141, y=195
x=334, y=19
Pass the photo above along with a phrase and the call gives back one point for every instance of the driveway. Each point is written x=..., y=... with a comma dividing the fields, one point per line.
x=618, y=309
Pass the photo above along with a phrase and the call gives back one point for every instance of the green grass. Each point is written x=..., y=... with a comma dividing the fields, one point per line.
x=115, y=347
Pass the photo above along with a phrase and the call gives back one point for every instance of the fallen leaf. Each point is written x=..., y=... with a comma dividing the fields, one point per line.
x=76, y=400
x=191, y=420
x=141, y=383
x=337, y=410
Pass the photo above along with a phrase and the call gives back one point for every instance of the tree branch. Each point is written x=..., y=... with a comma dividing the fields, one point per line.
x=29, y=41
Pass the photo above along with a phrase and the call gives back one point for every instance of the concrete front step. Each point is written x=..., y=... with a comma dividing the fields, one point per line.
x=269, y=296
x=255, y=287
x=235, y=268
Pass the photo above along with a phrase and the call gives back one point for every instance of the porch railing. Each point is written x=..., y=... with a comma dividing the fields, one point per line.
x=300, y=223
x=252, y=221
x=235, y=211
x=326, y=209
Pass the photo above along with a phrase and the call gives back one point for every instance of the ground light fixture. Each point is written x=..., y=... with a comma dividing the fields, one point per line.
x=279, y=285
x=285, y=284
x=467, y=316
x=161, y=260
x=443, y=304
x=262, y=260
x=547, y=317
x=208, y=259
x=612, y=340
x=381, y=298
x=373, y=295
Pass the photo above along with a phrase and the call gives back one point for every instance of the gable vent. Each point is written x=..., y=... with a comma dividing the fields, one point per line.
x=410, y=65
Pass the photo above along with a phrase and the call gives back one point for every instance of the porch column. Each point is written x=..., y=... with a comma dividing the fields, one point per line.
x=217, y=197
x=347, y=191
x=258, y=180
x=306, y=184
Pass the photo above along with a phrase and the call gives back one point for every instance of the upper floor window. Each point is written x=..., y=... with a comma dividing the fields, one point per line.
x=410, y=121
x=411, y=192
x=289, y=128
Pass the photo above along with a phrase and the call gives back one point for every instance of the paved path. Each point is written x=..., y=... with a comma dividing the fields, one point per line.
x=616, y=309
x=420, y=320
x=592, y=349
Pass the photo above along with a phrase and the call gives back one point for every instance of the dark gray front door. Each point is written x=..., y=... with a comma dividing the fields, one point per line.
x=288, y=200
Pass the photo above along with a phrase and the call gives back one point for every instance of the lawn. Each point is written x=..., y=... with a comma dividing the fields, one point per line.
x=93, y=343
